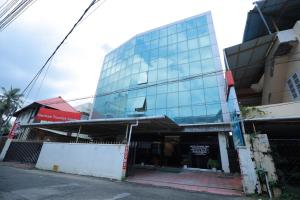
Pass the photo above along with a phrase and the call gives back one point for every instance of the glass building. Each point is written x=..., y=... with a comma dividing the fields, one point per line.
x=173, y=70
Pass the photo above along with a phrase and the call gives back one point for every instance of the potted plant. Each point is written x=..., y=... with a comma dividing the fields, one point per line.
x=185, y=162
x=212, y=164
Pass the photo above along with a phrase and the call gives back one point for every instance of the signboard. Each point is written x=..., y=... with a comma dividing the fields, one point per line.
x=200, y=150
x=52, y=115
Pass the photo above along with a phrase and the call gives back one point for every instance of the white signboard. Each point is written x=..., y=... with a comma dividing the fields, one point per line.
x=200, y=150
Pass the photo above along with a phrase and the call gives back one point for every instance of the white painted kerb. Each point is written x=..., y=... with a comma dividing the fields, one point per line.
x=100, y=160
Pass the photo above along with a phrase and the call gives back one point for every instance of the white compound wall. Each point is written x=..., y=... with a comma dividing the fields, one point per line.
x=99, y=160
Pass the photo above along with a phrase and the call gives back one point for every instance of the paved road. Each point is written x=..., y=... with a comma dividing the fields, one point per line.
x=25, y=184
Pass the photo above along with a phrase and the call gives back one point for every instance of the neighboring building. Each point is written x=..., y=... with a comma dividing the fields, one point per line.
x=85, y=110
x=54, y=109
x=266, y=71
x=173, y=70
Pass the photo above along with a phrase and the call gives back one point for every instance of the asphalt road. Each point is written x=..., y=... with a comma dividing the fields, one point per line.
x=25, y=184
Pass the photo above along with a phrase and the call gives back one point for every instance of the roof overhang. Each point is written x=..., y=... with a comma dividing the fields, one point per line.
x=247, y=60
x=111, y=125
x=278, y=119
x=283, y=13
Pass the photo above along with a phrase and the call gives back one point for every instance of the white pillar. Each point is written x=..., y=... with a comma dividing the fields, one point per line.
x=248, y=172
x=223, y=152
x=5, y=148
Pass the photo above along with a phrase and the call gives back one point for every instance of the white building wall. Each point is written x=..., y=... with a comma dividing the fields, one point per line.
x=100, y=160
x=283, y=67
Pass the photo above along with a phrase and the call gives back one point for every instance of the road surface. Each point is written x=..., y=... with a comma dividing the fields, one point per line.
x=25, y=184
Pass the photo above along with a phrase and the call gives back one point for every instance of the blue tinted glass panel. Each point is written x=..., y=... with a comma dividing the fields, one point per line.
x=172, y=87
x=162, y=74
x=184, y=85
x=208, y=65
x=184, y=98
x=197, y=97
x=161, y=101
x=184, y=70
x=172, y=100
x=199, y=110
x=206, y=52
x=195, y=68
x=172, y=112
x=196, y=83
x=151, y=90
x=212, y=95
x=151, y=102
x=185, y=111
x=193, y=44
x=210, y=81
x=162, y=89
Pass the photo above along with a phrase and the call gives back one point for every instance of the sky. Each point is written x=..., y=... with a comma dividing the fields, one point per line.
x=73, y=73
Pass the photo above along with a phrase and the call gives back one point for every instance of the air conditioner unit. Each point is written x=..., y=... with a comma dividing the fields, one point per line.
x=286, y=40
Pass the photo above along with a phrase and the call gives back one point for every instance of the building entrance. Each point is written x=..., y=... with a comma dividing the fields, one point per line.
x=175, y=151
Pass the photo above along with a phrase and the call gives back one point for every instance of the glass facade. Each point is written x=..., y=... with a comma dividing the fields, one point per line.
x=174, y=70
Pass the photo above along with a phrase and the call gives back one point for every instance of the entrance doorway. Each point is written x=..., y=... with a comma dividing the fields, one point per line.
x=175, y=151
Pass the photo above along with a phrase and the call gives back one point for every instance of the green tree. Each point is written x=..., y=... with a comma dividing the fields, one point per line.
x=10, y=101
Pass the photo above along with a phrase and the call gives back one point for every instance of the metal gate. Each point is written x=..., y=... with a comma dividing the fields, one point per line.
x=23, y=151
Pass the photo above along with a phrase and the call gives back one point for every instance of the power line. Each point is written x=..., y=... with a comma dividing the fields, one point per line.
x=32, y=82
x=8, y=19
x=12, y=10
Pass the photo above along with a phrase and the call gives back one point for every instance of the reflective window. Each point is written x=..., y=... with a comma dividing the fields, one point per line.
x=184, y=85
x=140, y=104
x=194, y=55
x=172, y=112
x=173, y=87
x=199, y=110
x=184, y=98
x=161, y=89
x=172, y=71
x=151, y=102
x=185, y=111
x=151, y=90
x=208, y=65
x=212, y=94
x=193, y=44
x=213, y=109
x=183, y=57
x=206, y=52
x=143, y=78
x=161, y=100
x=172, y=100
x=162, y=74
x=210, y=81
x=163, y=41
x=182, y=46
x=197, y=97
x=152, y=76
x=184, y=70
x=195, y=68
x=204, y=41
x=196, y=83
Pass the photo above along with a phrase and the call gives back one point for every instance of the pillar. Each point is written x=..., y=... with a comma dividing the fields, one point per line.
x=5, y=149
x=223, y=152
x=248, y=173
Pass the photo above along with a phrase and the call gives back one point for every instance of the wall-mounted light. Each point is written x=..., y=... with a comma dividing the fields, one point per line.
x=230, y=133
